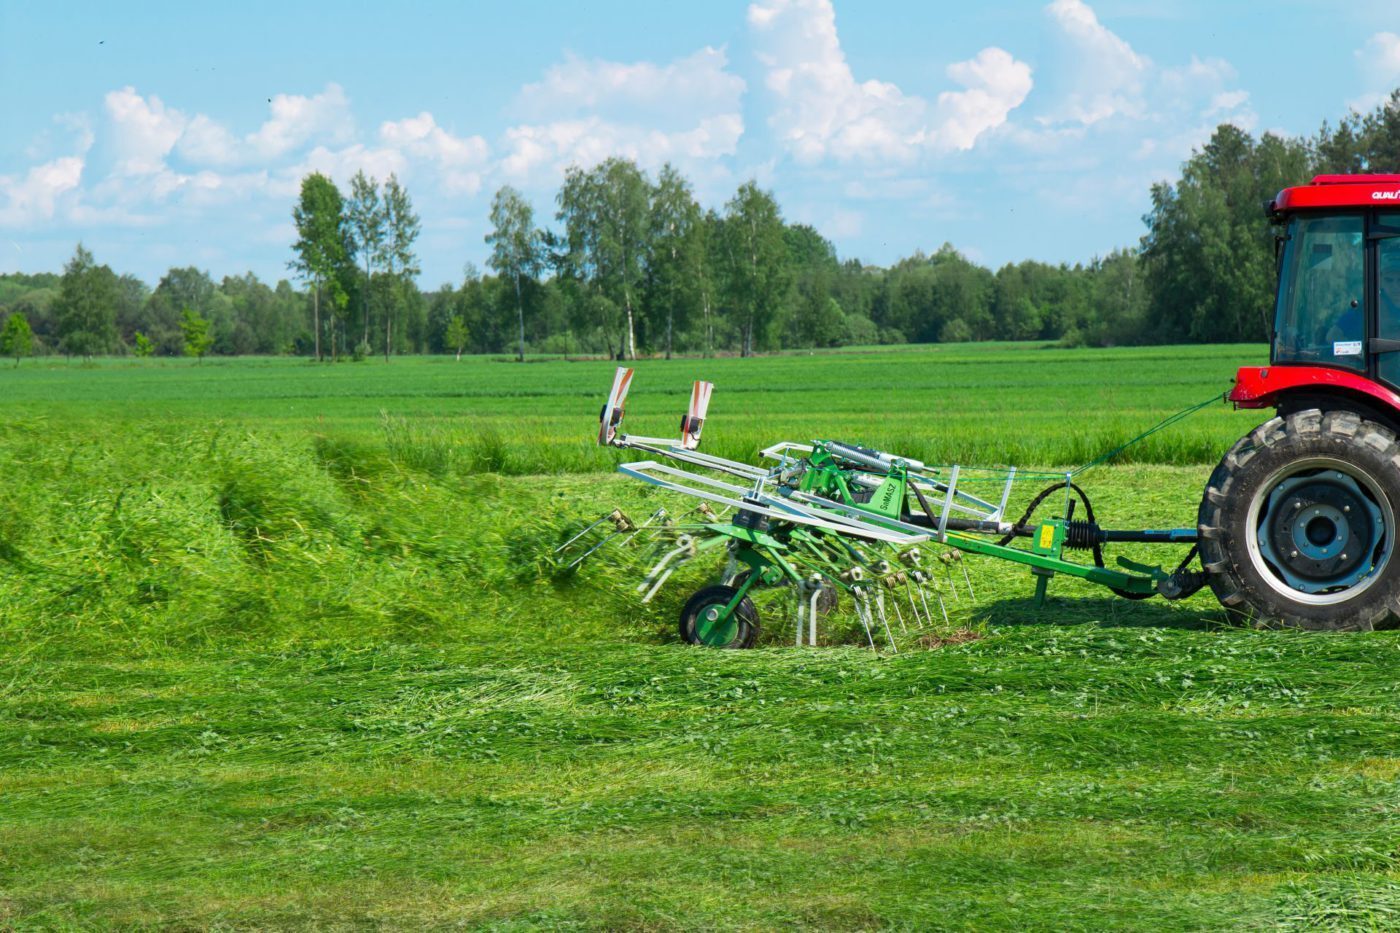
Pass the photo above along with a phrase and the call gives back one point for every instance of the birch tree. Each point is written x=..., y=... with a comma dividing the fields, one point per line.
x=515, y=248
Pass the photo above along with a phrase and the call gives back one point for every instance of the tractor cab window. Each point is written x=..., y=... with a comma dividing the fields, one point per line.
x=1386, y=232
x=1321, y=312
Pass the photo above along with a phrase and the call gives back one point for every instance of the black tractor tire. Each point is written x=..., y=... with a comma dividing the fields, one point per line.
x=742, y=631
x=1248, y=538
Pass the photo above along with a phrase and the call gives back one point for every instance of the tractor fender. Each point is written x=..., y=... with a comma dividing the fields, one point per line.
x=1292, y=388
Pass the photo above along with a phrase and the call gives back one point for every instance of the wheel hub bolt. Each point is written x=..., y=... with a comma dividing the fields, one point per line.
x=712, y=614
x=1344, y=557
x=1292, y=553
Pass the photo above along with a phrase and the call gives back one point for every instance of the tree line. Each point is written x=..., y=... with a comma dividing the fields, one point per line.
x=630, y=265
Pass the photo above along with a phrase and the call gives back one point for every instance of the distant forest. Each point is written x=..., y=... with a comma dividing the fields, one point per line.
x=633, y=266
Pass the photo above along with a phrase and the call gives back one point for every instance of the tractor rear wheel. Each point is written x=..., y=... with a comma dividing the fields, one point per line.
x=1297, y=525
x=700, y=622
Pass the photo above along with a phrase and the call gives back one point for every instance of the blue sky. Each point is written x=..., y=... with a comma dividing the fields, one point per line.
x=165, y=133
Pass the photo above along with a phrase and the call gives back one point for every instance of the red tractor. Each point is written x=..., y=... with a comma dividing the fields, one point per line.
x=1298, y=522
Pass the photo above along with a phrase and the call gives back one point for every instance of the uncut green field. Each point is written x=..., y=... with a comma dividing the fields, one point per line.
x=979, y=403
x=283, y=645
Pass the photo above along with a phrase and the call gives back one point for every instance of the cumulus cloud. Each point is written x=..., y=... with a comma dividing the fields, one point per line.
x=144, y=130
x=547, y=149
x=821, y=111
x=460, y=159
x=294, y=122
x=996, y=84
x=698, y=85
x=297, y=120
x=1103, y=94
x=1379, y=63
x=32, y=198
x=1104, y=76
x=583, y=111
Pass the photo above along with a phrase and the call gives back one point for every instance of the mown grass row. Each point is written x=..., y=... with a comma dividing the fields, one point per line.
x=1133, y=778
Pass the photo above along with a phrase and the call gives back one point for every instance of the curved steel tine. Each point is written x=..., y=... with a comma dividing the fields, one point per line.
x=583, y=532
x=880, y=605
x=863, y=613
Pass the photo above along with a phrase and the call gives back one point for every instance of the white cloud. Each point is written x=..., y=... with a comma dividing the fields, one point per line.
x=1105, y=76
x=80, y=126
x=1380, y=56
x=996, y=84
x=1102, y=96
x=32, y=198
x=341, y=165
x=144, y=130
x=207, y=142
x=687, y=112
x=843, y=223
x=294, y=122
x=297, y=120
x=1379, y=63
x=822, y=112
x=460, y=159
x=684, y=90
x=547, y=149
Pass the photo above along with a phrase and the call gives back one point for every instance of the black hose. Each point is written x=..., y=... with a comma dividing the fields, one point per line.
x=1096, y=547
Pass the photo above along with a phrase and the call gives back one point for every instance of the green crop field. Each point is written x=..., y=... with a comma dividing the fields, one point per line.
x=282, y=645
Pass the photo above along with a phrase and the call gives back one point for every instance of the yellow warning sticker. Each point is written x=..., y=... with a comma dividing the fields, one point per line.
x=1047, y=537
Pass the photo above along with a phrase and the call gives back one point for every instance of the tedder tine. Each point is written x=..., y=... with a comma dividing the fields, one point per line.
x=812, y=609
x=622, y=525
x=884, y=619
x=659, y=514
x=685, y=549
x=585, y=531
x=801, y=620
x=957, y=557
x=863, y=613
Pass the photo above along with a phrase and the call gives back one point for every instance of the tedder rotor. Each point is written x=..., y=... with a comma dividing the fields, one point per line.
x=1297, y=525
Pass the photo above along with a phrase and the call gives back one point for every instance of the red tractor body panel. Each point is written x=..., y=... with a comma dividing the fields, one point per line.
x=1262, y=386
x=1339, y=191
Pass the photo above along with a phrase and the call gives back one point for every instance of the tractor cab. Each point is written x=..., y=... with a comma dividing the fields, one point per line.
x=1336, y=326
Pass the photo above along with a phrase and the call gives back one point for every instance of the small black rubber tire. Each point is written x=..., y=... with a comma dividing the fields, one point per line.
x=745, y=615
x=1223, y=518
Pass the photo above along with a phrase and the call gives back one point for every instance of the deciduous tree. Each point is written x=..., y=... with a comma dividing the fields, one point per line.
x=674, y=248
x=515, y=247
x=86, y=307
x=195, y=328
x=322, y=243
x=16, y=339
x=401, y=228
x=368, y=218
x=759, y=277
x=457, y=336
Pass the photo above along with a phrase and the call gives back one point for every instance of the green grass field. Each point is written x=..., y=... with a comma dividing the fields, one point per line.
x=282, y=647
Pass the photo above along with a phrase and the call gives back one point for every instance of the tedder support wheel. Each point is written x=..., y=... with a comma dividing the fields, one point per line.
x=1297, y=525
x=701, y=623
